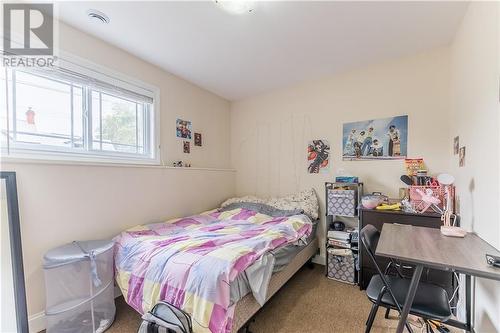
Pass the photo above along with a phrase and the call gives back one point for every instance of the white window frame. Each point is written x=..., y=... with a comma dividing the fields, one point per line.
x=100, y=73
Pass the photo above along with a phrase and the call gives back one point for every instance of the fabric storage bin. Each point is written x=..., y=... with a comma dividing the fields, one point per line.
x=342, y=202
x=79, y=287
x=341, y=265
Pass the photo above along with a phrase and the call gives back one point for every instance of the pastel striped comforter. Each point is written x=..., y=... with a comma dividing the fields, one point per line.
x=191, y=262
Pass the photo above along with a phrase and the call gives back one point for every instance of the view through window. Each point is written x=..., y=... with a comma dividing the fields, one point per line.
x=76, y=115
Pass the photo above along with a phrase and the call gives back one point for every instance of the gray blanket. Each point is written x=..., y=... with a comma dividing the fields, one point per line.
x=256, y=278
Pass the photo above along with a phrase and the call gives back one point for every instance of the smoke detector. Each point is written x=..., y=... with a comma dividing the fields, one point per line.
x=99, y=16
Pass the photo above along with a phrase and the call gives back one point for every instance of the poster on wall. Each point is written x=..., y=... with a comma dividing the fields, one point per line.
x=197, y=139
x=185, y=147
x=461, y=157
x=376, y=139
x=456, y=144
x=318, y=155
x=183, y=128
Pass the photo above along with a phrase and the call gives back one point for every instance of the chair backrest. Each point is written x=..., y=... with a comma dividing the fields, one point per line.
x=369, y=237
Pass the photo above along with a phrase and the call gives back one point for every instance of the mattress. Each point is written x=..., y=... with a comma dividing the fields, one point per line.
x=282, y=255
x=247, y=307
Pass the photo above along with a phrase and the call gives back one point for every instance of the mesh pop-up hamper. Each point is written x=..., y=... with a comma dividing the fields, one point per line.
x=79, y=287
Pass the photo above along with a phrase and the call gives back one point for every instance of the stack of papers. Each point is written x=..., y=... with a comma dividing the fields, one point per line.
x=339, y=235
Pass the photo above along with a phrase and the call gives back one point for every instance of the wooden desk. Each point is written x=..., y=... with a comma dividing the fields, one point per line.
x=378, y=219
x=428, y=247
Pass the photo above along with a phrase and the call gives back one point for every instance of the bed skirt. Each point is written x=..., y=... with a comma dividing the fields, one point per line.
x=247, y=307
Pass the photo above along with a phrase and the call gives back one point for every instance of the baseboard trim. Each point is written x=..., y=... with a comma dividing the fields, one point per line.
x=37, y=323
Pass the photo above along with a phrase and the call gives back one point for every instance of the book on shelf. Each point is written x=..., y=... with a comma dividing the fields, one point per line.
x=339, y=243
x=340, y=235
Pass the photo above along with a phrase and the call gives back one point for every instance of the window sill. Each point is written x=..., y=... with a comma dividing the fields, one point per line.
x=17, y=160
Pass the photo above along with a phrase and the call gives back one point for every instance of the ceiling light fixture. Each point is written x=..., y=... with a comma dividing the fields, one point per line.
x=98, y=16
x=236, y=6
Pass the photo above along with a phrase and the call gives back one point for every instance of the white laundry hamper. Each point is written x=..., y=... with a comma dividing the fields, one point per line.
x=79, y=287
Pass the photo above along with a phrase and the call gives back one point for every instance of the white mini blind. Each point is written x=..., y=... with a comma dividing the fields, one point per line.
x=90, y=78
x=77, y=112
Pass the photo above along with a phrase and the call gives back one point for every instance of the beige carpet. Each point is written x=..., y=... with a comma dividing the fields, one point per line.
x=309, y=302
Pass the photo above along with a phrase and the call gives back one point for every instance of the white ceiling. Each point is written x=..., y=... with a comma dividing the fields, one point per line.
x=279, y=44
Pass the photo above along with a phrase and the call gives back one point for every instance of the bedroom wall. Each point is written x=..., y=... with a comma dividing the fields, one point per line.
x=475, y=72
x=61, y=203
x=269, y=133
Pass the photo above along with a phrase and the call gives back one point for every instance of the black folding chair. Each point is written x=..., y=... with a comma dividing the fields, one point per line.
x=388, y=291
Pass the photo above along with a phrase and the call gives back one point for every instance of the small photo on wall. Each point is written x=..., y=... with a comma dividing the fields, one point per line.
x=187, y=148
x=318, y=156
x=197, y=139
x=456, y=144
x=461, y=157
x=375, y=139
x=183, y=129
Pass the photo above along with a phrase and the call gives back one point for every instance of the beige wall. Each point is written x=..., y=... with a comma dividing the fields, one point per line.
x=179, y=99
x=269, y=133
x=61, y=203
x=475, y=72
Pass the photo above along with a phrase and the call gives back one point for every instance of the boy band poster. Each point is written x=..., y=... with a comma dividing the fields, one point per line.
x=385, y=138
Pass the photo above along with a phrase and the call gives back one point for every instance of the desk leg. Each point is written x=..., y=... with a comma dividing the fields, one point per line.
x=468, y=300
x=409, y=298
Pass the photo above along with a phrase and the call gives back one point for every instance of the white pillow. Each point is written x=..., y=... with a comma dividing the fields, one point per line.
x=305, y=200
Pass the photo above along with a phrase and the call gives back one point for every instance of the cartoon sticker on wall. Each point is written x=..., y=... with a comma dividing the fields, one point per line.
x=385, y=138
x=318, y=156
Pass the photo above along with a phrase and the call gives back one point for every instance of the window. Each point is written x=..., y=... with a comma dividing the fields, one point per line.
x=79, y=115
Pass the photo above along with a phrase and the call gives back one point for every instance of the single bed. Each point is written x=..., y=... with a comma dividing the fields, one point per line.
x=220, y=266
